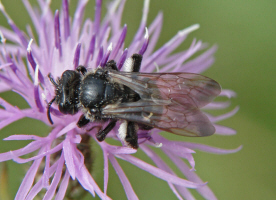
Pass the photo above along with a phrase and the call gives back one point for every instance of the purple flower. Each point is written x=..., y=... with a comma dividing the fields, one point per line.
x=64, y=43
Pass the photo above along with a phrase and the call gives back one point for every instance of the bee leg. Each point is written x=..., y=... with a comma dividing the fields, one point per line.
x=112, y=65
x=82, y=69
x=131, y=135
x=127, y=133
x=82, y=121
x=137, y=60
x=102, y=134
x=145, y=127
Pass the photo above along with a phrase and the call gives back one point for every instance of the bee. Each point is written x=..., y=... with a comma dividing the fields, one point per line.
x=139, y=101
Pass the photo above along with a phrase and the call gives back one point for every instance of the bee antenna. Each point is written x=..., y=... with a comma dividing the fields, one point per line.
x=52, y=80
x=48, y=110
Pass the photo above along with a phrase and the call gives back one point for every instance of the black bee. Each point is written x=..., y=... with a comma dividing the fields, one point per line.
x=167, y=101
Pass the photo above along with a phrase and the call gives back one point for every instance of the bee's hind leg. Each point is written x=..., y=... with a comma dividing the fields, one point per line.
x=137, y=60
x=128, y=134
x=131, y=135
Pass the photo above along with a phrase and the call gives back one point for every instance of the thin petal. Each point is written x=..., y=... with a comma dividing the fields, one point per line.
x=154, y=32
x=106, y=173
x=63, y=186
x=228, y=93
x=209, y=149
x=23, y=137
x=68, y=155
x=52, y=189
x=204, y=190
x=28, y=180
x=33, y=146
x=162, y=165
x=124, y=180
x=158, y=172
x=224, y=116
x=223, y=130
x=39, y=184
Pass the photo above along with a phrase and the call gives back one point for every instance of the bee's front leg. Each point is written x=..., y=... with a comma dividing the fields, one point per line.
x=82, y=121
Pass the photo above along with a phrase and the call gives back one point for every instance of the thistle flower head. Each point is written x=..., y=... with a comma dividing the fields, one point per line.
x=64, y=42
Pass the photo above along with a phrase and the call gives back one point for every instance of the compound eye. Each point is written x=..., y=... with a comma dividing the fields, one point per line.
x=66, y=93
x=68, y=108
x=64, y=108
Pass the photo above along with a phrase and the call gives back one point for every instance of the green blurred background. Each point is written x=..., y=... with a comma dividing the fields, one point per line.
x=245, y=32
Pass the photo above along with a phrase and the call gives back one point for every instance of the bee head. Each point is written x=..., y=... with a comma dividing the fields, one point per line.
x=67, y=93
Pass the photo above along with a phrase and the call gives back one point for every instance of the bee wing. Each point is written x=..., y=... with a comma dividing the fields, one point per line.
x=184, y=88
x=169, y=102
x=169, y=116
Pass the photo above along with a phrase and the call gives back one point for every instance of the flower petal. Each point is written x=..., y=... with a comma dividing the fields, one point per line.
x=124, y=180
x=158, y=172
